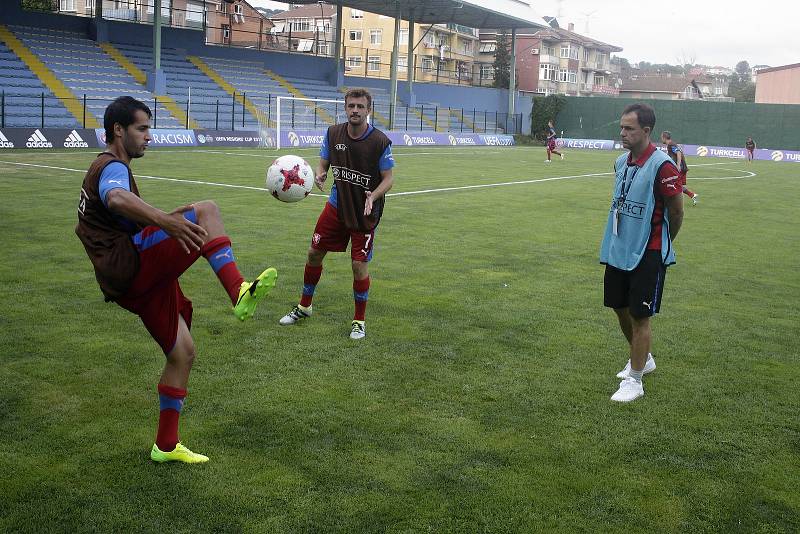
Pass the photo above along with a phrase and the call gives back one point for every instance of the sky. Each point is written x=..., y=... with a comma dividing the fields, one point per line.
x=710, y=32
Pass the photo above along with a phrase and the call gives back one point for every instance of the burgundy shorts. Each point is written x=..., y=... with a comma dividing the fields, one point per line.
x=332, y=235
x=551, y=145
x=155, y=295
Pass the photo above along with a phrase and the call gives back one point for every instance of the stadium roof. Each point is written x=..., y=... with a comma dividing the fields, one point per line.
x=506, y=14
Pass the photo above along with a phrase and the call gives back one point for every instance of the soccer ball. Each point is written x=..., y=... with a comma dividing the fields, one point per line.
x=290, y=178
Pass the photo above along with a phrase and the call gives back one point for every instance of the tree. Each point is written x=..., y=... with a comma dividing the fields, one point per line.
x=39, y=5
x=502, y=61
x=743, y=71
x=545, y=108
x=741, y=88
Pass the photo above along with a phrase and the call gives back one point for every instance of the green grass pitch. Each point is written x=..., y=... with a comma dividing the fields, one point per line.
x=479, y=401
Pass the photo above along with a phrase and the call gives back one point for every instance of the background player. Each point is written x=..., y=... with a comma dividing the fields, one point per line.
x=750, y=145
x=362, y=162
x=551, y=142
x=676, y=153
x=138, y=253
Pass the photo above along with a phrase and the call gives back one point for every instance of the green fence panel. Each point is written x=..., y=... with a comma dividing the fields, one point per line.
x=694, y=122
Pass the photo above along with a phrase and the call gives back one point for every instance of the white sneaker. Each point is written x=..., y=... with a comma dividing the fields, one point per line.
x=298, y=312
x=562, y=157
x=629, y=389
x=649, y=367
x=694, y=199
x=547, y=161
x=358, y=330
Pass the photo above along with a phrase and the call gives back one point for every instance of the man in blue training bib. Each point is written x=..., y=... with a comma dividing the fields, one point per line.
x=645, y=216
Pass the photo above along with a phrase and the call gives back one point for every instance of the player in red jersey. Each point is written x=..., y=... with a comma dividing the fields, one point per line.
x=139, y=252
x=676, y=153
x=750, y=145
x=361, y=159
x=551, y=142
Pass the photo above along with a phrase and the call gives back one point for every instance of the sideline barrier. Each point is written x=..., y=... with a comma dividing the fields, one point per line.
x=36, y=138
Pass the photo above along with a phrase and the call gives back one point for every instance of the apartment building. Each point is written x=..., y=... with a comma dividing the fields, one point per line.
x=237, y=23
x=445, y=54
x=555, y=61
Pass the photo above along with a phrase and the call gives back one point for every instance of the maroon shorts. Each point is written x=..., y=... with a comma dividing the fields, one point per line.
x=155, y=295
x=332, y=235
x=551, y=144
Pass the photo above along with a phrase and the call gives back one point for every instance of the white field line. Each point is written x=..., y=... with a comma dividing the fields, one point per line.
x=404, y=193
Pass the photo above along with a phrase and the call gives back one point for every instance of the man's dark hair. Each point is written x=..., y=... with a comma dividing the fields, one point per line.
x=666, y=134
x=121, y=111
x=645, y=115
x=359, y=93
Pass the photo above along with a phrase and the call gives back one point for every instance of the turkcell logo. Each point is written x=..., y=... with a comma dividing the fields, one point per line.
x=38, y=140
x=294, y=139
x=407, y=140
x=4, y=142
x=74, y=140
x=777, y=155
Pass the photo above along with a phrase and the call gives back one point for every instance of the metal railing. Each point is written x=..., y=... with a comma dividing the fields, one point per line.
x=241, y=112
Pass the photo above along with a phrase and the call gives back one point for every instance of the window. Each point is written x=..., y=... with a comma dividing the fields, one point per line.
x=586, y=54
x=226, y=33
x=374, y=63
x=547, y=71
x=165, y=8
x=487, y=48
x=375, y=37
x=487, y=72
x=564, y=50
x=427, y=64
x=237, y=8
x=355, y=35
x=466, y=48
x=572, y=76
x=354, y=62
x=67, y=5
x=430, y=41
x=403, y=37
x=222, y=7
x=356, y=14
x=305, y=45
x=194, y=12
x=402, y=63
x=574, y=51
x=599, y=80
x=300, y=25
x=548, y=50
x=562, y=75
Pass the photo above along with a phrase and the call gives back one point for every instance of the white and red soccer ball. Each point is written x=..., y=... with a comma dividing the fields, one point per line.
x=290, y=178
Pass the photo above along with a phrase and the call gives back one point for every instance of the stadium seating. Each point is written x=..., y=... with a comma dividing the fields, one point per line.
x=88, y=72
x=217, y=93
x=211, y=106
x=22, y=96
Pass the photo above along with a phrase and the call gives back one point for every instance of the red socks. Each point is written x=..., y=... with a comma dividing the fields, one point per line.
x=219, y=254
x=311, y=277
x=360, y=295
x=171, y=402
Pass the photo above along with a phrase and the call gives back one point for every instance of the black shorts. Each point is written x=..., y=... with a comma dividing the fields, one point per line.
x=638, y=290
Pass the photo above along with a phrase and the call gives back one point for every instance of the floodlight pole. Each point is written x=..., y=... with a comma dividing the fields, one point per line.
x=393, y=69
x=512, y=74
x=410, y=62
